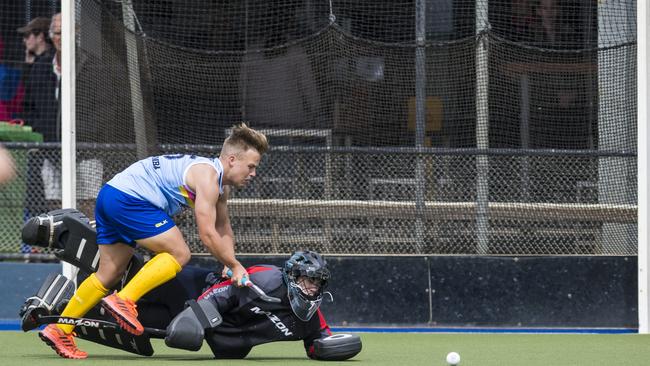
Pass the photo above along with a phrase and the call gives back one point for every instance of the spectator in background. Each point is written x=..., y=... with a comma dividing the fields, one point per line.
x=38, y=46
x=55, y=36
x=38, y=50
x=51, y=169
x=41, y=83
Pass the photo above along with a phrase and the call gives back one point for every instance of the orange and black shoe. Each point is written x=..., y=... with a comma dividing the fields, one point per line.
x=61, y=342
x=124, y=311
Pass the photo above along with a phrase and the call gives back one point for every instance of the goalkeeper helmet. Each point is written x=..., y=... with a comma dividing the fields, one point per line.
x=306, y=276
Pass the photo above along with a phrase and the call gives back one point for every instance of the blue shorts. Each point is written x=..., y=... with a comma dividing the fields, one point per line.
x=121, y=218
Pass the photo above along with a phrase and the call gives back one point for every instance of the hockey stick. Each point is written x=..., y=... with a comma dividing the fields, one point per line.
x=256, y=289
x=93, y=323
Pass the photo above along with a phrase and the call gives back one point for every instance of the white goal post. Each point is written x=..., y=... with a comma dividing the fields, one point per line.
x=643, y=161
x=68, y=116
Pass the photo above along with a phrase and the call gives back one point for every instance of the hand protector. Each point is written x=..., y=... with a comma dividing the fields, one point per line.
x=337, y=347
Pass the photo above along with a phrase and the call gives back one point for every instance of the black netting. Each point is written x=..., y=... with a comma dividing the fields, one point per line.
x=498, y=127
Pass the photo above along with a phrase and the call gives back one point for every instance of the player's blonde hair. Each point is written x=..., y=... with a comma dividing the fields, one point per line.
x=243, y=138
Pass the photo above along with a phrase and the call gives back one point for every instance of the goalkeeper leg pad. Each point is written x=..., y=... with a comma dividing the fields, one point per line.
x=49, y=230
x=80, y=244
x=50, y=299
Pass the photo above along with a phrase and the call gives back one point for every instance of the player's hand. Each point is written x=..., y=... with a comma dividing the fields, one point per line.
x=226, y=272
x=239, y=276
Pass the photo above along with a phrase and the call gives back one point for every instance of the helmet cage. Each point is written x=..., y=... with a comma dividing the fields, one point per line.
x=308, y=264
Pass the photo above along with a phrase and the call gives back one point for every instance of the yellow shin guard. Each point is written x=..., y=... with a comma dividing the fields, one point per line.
x=160, y=269
x=88, y=294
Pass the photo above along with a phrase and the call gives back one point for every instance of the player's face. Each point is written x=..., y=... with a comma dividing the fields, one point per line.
x=308, y=285
x=244, y=167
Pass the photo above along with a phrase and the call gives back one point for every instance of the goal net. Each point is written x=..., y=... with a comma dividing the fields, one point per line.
x=396, y=127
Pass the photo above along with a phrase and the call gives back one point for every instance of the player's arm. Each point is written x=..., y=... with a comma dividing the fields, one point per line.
x=212, y=219
x=224, y=229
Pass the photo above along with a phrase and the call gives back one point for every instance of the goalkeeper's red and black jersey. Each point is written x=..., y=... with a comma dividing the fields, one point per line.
x=249, y=321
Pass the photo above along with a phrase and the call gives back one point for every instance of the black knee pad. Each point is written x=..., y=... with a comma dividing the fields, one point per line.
x=187, y=329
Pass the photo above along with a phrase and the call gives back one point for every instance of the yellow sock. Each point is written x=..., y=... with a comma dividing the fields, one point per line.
x=88, y=294
x=160, y=269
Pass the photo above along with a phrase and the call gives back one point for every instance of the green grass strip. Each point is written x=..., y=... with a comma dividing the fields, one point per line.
x=378, y=349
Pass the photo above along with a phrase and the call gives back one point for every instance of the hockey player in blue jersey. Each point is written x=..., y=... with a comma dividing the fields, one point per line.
x=137, y=206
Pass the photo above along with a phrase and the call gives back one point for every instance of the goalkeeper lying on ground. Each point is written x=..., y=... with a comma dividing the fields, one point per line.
x=230, y=319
